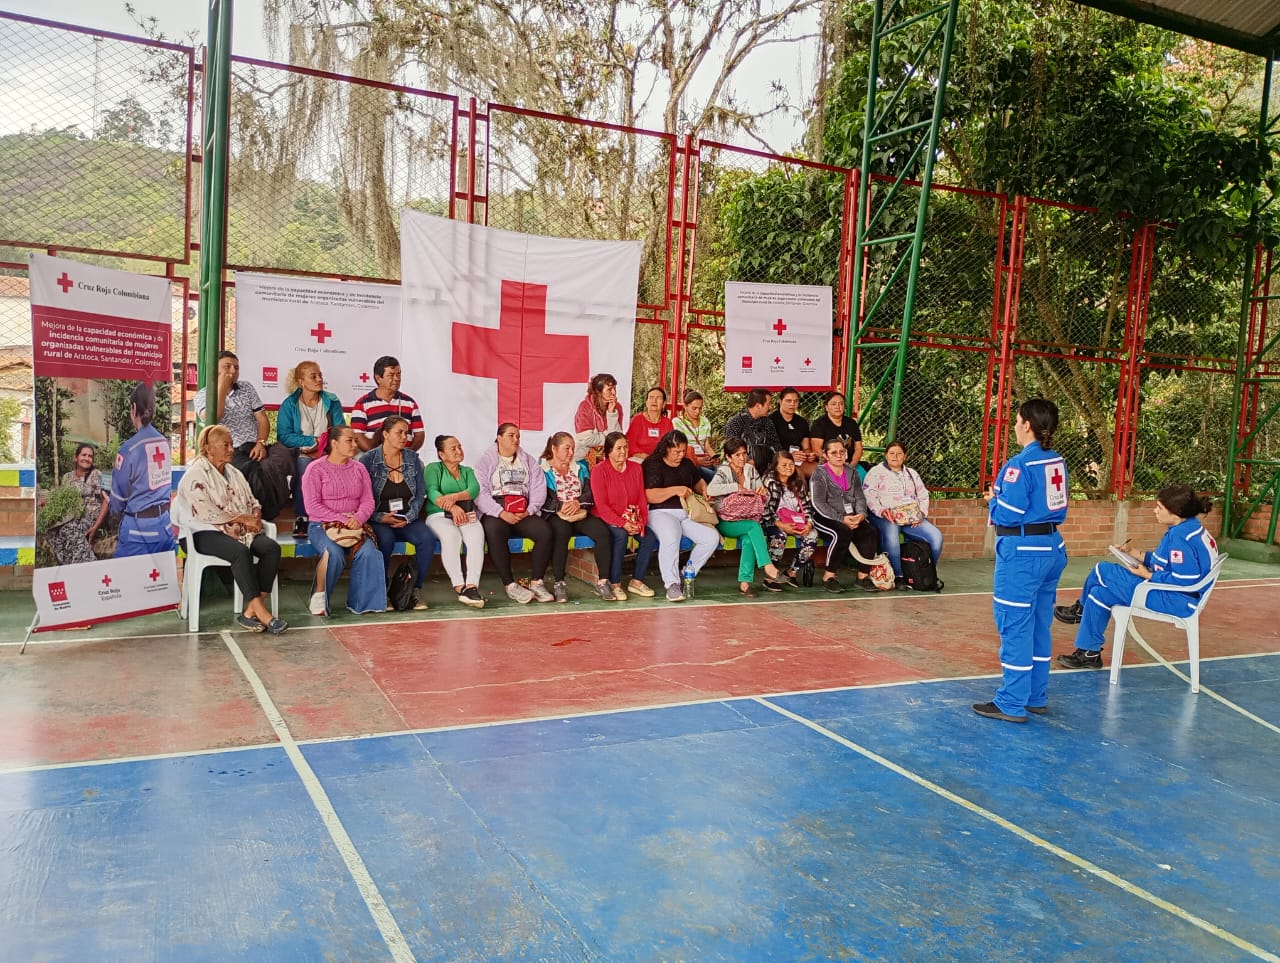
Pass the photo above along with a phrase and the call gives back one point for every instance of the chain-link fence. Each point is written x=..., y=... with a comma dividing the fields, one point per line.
x=94, y=141
x=96, y=161
x=765, y=219
x=321, y=166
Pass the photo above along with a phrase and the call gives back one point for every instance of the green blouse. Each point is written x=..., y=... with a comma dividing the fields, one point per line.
x=440, y=482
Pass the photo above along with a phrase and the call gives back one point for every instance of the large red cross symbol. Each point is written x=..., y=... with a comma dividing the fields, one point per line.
x=64, y=282
x=1056, y=479
x=155, y=574
x=106, y=580
x=779, y=326
x=520, y=354
x=159, y=458
x=320, y=332
x=364, y=377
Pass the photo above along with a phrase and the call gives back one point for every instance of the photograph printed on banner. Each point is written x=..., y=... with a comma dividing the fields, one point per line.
x=103, y=471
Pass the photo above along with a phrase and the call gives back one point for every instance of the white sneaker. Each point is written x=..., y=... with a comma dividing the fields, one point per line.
x=518, y=593
x=317, y=603
x=540, y=592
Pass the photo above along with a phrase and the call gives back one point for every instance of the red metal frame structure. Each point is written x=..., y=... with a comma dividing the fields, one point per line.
x=678, y=316
x=693, y=318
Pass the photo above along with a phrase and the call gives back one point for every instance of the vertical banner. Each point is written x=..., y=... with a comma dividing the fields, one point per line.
x=511, y=327
x=777, y=335
x=343, y=326
x=103, y=369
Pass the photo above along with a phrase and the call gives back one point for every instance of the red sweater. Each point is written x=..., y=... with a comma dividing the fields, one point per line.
x=614, y=490
x=640, y=435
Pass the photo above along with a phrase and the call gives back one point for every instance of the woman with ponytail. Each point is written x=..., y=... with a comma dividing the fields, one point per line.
x=1184, y=556
x=1027, y=503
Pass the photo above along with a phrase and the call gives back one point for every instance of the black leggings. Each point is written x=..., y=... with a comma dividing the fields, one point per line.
x=496, y=533
x=593, y=528
x=837, y=536
x=252, y=578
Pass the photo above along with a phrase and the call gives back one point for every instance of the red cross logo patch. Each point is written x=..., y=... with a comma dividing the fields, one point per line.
x=1175, y=556
x=1011, y=474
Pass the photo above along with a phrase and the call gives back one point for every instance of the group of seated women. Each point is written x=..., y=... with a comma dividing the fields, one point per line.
x=613, y=487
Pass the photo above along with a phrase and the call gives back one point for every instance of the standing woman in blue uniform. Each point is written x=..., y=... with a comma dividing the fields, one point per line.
x=1028, y=501
x=1184, y=556
x=140, y=483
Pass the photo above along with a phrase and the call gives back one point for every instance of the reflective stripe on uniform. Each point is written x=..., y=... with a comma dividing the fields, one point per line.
x=1020, y=511
x=1018, y=605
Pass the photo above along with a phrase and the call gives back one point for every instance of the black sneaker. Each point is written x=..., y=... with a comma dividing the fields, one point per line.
x=1071, y=614
x=990, y=710
x=901, y=583
x=300, y=527
x=832, y=585
x=1081, y=659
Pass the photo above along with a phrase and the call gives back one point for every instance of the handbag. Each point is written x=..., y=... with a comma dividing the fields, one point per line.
x=515, y=504
x=699, y=509
x=741, y=507
x=789, y=516
x=908, y=514
x=349, y=539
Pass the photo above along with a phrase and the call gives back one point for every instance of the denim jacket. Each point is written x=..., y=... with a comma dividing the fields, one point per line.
x=289, y=419
x=413, y=477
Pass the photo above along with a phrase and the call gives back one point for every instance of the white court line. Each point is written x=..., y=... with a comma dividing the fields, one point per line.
x=1077, y=861
x=378, y=908
x=1203, y=688
x=557, y=717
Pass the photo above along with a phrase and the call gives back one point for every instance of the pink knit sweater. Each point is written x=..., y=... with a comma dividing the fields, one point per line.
x=331, y=491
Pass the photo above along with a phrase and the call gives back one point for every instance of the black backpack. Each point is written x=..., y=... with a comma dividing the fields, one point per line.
x=918, y=568
x=400, y=587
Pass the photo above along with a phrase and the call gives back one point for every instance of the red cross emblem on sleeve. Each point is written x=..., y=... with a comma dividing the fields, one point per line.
x=159, y=458
x=520, y=355
x=1056, y=480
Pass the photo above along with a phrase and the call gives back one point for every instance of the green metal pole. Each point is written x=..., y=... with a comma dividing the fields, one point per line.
x=1246, y=303
x=926, y=182
x=213, y=194
x=864, y=186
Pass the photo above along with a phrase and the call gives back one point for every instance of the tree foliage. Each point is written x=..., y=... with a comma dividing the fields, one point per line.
x=1052, y=100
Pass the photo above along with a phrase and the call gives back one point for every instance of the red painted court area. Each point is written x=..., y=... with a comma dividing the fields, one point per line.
x=118, y=698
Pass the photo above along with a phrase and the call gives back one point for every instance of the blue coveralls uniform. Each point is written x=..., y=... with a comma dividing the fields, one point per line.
x=1029, y=496
x=140, y=486
x=1184, y=556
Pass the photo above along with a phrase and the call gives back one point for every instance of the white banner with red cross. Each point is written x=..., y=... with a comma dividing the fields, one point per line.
x=101, y=338
x=511, y=327
x=777, y=336
x=343, y=326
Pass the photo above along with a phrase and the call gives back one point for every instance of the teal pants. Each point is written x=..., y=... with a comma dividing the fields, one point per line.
x=752, y=547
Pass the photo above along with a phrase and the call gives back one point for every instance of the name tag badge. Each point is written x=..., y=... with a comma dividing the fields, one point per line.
x=396, y=505
x=848, y=508
x=795, y=448
x=653, y=433
x=697, y=449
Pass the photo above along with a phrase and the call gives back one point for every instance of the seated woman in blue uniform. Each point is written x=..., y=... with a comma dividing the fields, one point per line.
x=140, y=482
x=1185, y=555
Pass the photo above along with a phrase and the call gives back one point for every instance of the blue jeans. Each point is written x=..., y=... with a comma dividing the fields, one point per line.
x=368, y=589
x=416, y=533
x=926, y=532
x=644, y=552
x=299, y=508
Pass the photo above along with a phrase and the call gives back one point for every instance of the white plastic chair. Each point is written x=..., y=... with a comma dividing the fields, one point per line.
x=1188, y=623
x=193, y=574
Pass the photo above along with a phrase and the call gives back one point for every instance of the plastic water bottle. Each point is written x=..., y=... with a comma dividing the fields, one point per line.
x=687, y=578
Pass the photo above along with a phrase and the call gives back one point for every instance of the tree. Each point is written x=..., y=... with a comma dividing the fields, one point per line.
x=1053, y=100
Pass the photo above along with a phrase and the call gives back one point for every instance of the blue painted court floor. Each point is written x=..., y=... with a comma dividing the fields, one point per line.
x=1136, y=822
